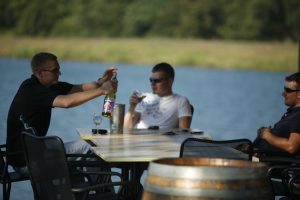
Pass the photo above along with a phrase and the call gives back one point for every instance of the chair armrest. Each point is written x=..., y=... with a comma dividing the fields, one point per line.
x=275, y=160
x=87, y=163
x=97, y=186
x=276, y=171
x=267, y=153
x=81, y=155
x=5, y=153
x=98, y=173
x=85, y=160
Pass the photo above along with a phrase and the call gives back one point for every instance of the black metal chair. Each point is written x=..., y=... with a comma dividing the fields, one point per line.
x=202, y=148
x=7, y=177
x=291, y=179
x=284, y=173
x=50, y=175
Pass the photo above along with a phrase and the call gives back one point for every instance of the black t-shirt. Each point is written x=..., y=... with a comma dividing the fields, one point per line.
x=289, y=123
x=34, y=102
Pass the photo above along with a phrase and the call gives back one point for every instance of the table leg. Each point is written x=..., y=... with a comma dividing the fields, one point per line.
x=132, y=172
x=137, y=170
x=125, y=177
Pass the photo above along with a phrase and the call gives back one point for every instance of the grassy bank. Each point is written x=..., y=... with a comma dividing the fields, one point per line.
x=269, y=56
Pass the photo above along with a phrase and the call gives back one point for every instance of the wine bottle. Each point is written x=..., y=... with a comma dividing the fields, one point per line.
x=109, y=101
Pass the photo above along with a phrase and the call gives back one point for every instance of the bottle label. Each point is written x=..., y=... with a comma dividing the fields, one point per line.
x=108, y=105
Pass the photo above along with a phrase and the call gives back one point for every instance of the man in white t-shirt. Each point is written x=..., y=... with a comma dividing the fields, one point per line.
x=162, y=107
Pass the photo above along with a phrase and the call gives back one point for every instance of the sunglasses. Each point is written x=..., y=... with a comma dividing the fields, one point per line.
x=289, y=90
x=156, y=80
x=55, y=70
x=99, y=131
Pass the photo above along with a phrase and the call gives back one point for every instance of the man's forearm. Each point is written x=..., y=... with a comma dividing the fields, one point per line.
x=185, y=122
x=92, y=85
x=131, y=118
x=128, y=120
x=75, y=99
x=279, y=142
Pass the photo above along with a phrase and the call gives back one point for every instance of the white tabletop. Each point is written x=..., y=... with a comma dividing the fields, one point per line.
x=138, y=145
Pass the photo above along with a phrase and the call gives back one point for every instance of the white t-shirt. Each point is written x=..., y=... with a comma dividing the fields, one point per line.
x=162, y=111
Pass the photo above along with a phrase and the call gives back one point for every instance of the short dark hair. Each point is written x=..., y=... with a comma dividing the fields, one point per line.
x=294, y=77
x=39, y=60
x=166, y=68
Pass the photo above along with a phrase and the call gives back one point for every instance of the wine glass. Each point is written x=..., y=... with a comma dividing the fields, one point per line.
x=97, y=118
x=139, y=95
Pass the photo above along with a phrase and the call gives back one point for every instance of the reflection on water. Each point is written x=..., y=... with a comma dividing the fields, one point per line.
x=228, y=104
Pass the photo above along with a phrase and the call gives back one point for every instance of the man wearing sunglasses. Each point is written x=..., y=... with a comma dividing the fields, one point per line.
x=162, y=108
x=40, y=93
x=284, y=137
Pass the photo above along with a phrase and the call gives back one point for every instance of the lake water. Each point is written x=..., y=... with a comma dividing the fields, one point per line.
x=228, y=103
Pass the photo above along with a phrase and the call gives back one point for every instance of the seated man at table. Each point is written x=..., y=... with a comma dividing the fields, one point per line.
x=40, y=93
x=161, y=108
x=284, y=136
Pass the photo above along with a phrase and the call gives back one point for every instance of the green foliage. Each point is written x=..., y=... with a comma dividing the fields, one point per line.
x=292, y=18
x=31, y=17
x=217, y=19
x=139, y=17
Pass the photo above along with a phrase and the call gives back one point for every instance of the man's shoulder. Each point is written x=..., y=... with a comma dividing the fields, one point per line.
x=296, y=110
x=295, y=113
x=29, y=81
x=179, y=96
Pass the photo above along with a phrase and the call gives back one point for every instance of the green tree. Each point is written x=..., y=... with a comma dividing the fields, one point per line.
x=38, y=18
x=101, y=17
x=225, y=19
x=140, y=17
x=200, y=18
x=292, y=18
x=10, y=13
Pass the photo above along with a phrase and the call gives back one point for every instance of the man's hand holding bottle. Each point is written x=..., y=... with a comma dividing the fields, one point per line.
x=107, y=76
x=107, y=83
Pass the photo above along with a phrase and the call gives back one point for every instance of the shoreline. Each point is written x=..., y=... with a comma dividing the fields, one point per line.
x=220, y=54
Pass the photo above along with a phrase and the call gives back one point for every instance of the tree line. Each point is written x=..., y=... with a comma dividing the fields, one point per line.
x=209, y=19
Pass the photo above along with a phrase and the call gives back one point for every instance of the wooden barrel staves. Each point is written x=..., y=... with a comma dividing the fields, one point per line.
x=203, y=178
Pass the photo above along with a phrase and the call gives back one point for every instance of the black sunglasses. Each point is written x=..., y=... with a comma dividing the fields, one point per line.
x=156, y=80
x=55, y=70
x=99, y=131
x=289, y=90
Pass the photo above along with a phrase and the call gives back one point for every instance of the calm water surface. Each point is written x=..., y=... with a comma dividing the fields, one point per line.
x=228, y=104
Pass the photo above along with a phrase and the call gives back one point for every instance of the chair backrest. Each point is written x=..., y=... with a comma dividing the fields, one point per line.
x=47, y=166
x=192, y=109
x=202, y=148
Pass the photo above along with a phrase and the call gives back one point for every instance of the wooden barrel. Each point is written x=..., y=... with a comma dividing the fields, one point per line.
x=204, y=178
